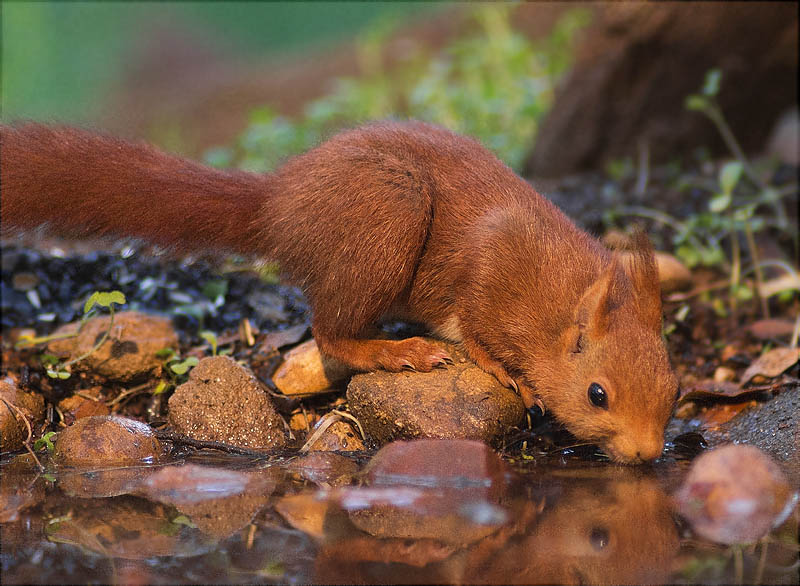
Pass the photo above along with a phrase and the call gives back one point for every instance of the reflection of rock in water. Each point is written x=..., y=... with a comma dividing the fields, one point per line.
x=612, y=526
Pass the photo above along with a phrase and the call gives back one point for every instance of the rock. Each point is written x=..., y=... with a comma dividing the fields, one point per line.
x=13, y=431
x=107, y=441
x=735, y=494
x=305, y=371
x=609, y=104
x=455, y=487
x=338, y=437
x=724, y=374
x=218, y=501
x=127, y=354
x=672, y=273
x=224, y=402
x=444, y=462
x=21, y=488
x=772, y=427
x=322, y=467
x=79, y=406
x=128, y=527
x=458, y=402
x=304, y=512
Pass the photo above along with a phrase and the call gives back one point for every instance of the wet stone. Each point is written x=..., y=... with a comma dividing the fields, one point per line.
x=86, y=404
x=457, y=402
x=735, y=494
x=224, y=402
x=13, y=430
x=106, y=441
x=324, y=468
x=130, y=351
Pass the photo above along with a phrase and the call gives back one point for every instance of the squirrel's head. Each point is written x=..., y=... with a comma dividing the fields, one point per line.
x=612, y=382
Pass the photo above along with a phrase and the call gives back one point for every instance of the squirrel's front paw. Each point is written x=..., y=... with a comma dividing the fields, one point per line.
x=413, y=354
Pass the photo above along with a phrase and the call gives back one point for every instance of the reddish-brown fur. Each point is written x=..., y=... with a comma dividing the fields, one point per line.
x=402, y=219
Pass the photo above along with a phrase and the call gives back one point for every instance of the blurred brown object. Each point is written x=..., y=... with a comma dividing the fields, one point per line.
x=183, y=82
x=639, y=61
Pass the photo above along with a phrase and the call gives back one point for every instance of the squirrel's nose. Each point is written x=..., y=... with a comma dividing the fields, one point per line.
x=635, y=450
x=650, y=450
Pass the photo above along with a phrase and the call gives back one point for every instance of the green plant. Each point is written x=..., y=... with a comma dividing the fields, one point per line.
x=740, y=204
x=495, y=85
x=96, y=300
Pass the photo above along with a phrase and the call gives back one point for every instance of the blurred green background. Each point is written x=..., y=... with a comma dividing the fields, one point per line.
x=58, y=58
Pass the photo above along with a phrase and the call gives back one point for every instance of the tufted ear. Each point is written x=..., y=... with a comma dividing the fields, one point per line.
x=593, y=314
x=640, y=264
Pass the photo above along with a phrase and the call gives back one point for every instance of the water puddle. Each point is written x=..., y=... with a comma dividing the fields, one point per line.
x=435, y=515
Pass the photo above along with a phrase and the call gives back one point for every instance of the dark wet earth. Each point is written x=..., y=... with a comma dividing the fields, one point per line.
x=449, y=512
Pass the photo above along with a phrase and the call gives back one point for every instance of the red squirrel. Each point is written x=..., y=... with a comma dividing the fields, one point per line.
x=401, y=219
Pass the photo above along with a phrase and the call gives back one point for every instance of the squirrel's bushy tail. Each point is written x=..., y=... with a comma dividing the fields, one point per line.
x=79, y=183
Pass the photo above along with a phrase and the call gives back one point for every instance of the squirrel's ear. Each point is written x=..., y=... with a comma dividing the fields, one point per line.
x=593, y=314
x=640, y=264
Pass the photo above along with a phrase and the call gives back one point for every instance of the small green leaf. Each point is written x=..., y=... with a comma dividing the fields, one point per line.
x=729, y=176
x=712, y=82
x=104, y=299
x=48, y=359
x=719, y=202
x=160, y=388
x=695, y=102
x=743, y=293
x=211, y=338
x=62, y=374
x=49, y=477
x=681, y=314
x=744, y=213
x=689, y=255
x=45, y=441
x=90, y=302
x=165, y=353
x=215, y=289
x=183, y=367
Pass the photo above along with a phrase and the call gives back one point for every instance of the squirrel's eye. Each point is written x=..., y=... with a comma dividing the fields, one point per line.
x=597, y=395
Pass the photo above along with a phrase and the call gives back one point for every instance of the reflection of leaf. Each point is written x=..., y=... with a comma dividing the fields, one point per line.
x=772, y=363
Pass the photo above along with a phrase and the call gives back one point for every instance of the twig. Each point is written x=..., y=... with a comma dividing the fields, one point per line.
x=183, y=440
x=677, y=297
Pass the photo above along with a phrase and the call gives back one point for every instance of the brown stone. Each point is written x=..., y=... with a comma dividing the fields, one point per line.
x=305, y=371
x=459, y=402
x=224, y=402
x=128, y=353
x=13, y=430
x=107, y=441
